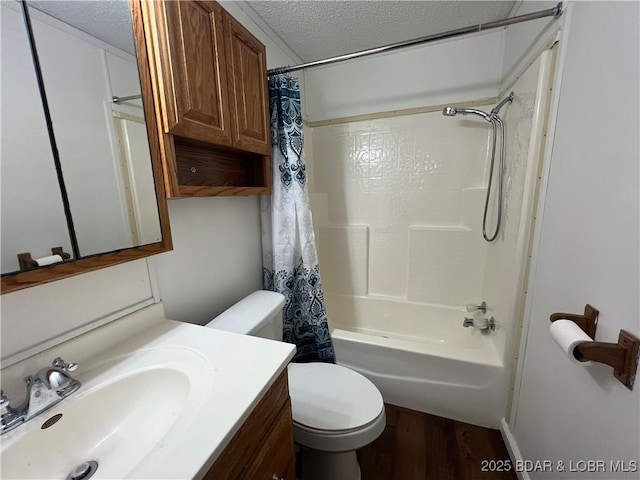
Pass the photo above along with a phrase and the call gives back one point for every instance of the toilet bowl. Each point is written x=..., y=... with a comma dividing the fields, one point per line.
x=335, y=410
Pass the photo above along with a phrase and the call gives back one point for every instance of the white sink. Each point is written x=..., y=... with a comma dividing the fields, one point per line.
x=159, y=400
x=123, y=411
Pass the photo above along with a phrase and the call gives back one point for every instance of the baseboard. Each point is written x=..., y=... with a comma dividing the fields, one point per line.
x=512, y=448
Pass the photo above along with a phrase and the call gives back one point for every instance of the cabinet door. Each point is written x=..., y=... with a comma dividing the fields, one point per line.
x=276, y=458
x=196, y=104
x=247, y=69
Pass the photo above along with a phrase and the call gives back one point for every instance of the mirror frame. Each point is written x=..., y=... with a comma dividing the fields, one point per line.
x=31, y=278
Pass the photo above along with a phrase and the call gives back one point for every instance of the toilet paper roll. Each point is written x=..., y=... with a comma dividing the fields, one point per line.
x=50, y=260
x=568, y=335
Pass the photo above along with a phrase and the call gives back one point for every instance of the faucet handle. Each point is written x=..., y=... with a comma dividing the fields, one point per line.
x=472, y=307
x=9, y=416
x=67, y=367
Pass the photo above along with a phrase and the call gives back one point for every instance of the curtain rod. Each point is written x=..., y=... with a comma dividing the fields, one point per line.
x=555, y=12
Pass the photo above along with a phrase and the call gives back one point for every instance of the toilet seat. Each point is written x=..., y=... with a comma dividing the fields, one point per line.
x=334, y=408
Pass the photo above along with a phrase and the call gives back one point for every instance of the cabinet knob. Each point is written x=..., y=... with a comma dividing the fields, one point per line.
x=194, y=169
x=276, y=477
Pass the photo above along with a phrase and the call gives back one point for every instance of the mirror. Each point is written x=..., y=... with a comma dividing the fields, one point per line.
x=111, y=182
x=87, y=57
x=27, y=171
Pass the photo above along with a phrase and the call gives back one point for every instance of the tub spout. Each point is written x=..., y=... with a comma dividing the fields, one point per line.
x=483, y=324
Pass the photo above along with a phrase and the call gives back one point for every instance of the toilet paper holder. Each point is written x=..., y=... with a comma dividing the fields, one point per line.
x=622, y=356
x=26, y=262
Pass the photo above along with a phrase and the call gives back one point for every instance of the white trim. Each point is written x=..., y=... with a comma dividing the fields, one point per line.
x=487, y=101
x=153, y=280
x=546, y=168
x=512, y=447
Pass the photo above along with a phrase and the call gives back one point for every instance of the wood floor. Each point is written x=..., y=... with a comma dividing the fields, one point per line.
x=418, y=446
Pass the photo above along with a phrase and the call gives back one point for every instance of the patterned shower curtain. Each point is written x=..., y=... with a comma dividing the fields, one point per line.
x=289, y=257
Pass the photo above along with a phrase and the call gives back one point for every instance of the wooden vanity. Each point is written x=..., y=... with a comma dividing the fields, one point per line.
x=263, y=447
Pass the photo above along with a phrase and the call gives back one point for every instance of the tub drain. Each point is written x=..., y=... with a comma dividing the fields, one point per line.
x=83, y=471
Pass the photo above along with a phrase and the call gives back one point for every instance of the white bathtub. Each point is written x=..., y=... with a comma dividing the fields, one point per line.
x=429, y=363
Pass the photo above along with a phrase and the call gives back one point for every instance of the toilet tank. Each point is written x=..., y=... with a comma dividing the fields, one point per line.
x=259, y=315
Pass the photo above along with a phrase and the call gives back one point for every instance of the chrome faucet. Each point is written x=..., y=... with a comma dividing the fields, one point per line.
x=45, y=389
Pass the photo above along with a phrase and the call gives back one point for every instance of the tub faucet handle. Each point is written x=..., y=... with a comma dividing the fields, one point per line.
x=472, y=307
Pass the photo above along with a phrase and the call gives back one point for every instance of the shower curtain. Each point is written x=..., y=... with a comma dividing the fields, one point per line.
x=289, y=257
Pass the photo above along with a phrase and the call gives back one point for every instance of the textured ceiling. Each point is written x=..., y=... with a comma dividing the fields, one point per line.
x=108, y=20
x=321, y=29
x=313, y=29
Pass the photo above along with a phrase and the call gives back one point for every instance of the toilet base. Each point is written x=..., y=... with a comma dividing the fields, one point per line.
x=320, y=465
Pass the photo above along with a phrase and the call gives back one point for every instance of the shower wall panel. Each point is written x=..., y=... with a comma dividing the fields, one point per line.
x=423, y=173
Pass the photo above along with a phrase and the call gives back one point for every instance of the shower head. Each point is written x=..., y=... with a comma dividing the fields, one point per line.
x=452, y=111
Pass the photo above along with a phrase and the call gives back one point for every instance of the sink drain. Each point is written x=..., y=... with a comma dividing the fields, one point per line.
x=83, y=471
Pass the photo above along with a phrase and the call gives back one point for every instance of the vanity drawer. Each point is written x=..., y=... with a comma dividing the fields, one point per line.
x=269, y=418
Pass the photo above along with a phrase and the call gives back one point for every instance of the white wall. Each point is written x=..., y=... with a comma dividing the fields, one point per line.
x=215, y=261
x=588, y=251
x=37, y=318
x=456, y=70
x=524, y=40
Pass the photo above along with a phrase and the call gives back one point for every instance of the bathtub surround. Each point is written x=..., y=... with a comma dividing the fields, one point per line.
x=402, y=252
x=290, y=260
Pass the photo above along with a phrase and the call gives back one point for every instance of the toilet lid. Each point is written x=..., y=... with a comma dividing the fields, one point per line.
x=325, y=396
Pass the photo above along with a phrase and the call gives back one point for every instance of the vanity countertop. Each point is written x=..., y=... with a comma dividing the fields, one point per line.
x=220, y=378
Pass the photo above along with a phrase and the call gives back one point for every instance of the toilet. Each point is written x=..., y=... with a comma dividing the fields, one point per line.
x=335, y=410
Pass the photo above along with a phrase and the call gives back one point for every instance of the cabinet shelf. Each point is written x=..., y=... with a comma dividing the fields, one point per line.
x=203, y=171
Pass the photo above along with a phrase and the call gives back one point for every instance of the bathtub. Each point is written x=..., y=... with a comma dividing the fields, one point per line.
x=426, y=361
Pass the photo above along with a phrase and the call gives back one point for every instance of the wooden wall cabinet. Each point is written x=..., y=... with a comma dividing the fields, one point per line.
x=209, y=84
x=263, y=448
